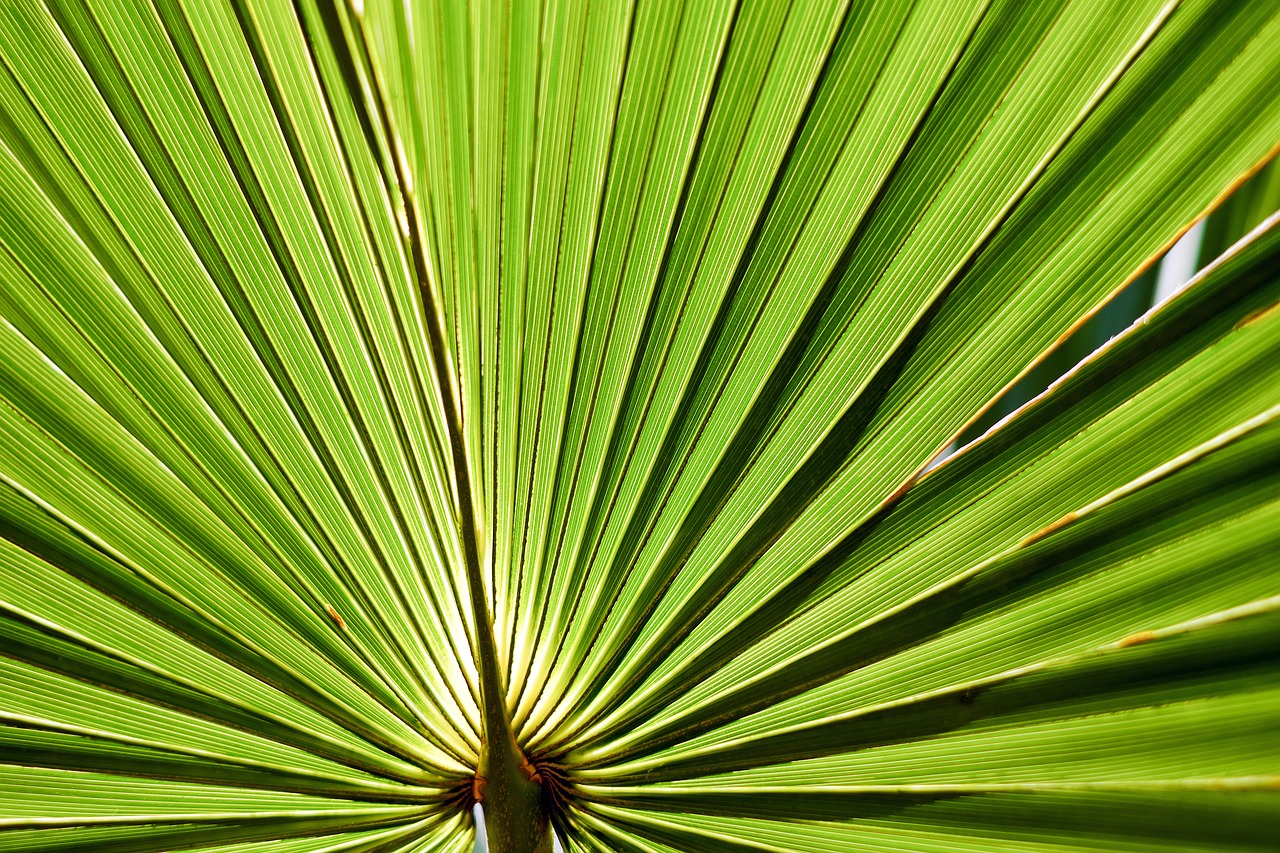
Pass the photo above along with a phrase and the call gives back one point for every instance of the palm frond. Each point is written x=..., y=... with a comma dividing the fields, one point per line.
x=406, y=405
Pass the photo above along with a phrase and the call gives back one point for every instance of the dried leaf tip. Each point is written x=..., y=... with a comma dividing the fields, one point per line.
x=1256, y=315
x=530, y=770
x=335, y=616
x=1136, y=639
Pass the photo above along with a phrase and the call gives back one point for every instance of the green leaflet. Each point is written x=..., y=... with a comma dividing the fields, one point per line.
x=359, y=357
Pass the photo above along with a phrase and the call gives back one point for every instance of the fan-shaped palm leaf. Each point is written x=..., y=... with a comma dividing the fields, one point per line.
x=538, y=403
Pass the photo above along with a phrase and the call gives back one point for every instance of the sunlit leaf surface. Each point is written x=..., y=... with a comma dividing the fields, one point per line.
x=358, y=362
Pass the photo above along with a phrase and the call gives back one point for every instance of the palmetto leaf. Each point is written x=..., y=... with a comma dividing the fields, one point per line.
x=410, y=404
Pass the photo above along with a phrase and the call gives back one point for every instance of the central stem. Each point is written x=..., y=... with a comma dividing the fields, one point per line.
x=515, y=819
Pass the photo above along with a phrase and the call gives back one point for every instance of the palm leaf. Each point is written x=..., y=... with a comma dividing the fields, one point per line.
x=1256, y=199
x=410, y=405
